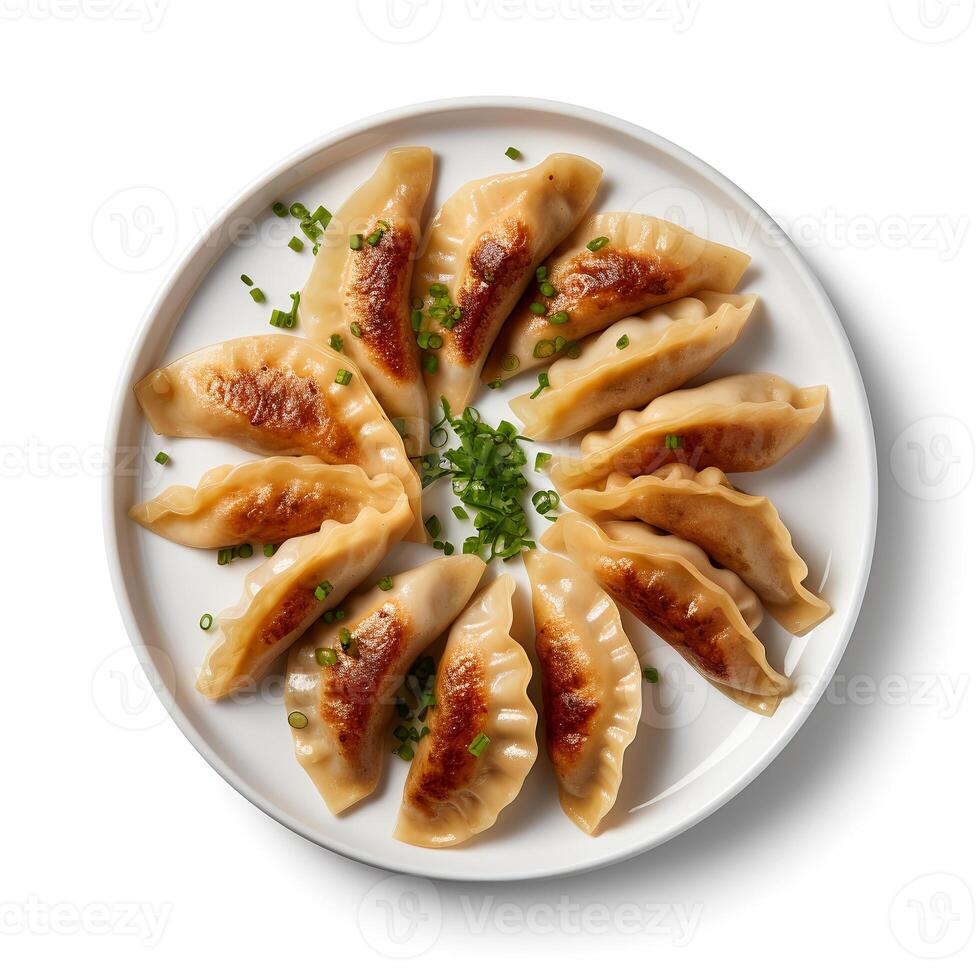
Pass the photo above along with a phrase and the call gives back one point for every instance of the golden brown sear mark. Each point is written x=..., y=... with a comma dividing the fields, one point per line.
x=500, y=259
x=698, y=629
x=288, y=615
x=460, y=716
x=376, y=297
x=269, y=514
x=286, y=408
x=568, y=691
x=734, y=447
x=357, y=684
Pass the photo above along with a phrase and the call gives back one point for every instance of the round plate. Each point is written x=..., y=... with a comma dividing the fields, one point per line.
x=694, y=749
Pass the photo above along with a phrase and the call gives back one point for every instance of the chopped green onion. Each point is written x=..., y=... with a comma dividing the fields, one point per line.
x=495, y=384
x=206, y=622
x=296, y=244
x=573, y=351
x=435, y=341
x=651, y=675
x=345, y=638
x=510, y=362
x=448, y=548
x=423, y=339
x=280, y=210
x=311, y=230
x=244, y=551
x=356, y=242
x=162, y=458
x=413, y=734
x=245, y=279
x=326, y=656
x=546, y=289
x=424, y=731
x=460, y=512
x=297, y=719
x=674, y=442
x=558, y=318
x=438, y=290
x=257, y=295
x=401, y=733
x=269, y=550
x=512, y=152
x=430, y=364
x=597, y=243
x=355, y=328
x=623, y=342
x=538, y=309
x=226, y=555
x=322, y=215
x=386, y=584
x=541, y=273
x=343, y=377
x=339, y=614
x=540, y=460
x=545, y=501
x=544, y=348
x=417, y=303
x=405, y=751
x=298, y=210
x=479, y=744
x=336, y=342
x=322, y=591
x=542, y=384
x=434, y=526
x=375, y=237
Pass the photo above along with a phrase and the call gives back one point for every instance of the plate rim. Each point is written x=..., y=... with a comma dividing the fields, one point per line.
x=185, y=266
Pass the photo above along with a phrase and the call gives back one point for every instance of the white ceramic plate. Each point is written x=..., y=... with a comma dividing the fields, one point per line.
x=695, y=749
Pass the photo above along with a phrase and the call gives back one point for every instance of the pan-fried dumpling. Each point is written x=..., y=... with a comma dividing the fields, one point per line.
x=707, y=614
x=741, y=532
x=362, y=294
x=280, y=395
x=305, y=578
x=480, y=745
x=590, y=685
x=266, y=500
x=638, y=262
x=342, y=677
x=663, y=348
x=481, y=251
x=742, y=423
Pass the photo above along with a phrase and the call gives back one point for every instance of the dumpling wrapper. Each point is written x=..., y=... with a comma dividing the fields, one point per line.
x=264, y=500
x=741, y=423
x=740, y=531
x=483, y=246
x=666, y=347
x=279, y=396
x=349, y=705
x=280, y=599
x=371, y=286
x=647, y=262
x=590, y=685
x=705, y=613
x=451, y=794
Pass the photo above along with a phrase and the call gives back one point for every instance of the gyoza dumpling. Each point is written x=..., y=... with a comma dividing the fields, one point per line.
x=705, y=613
x=265, y=500
x=280, y=395
x=632, y=362
x=362, y=294
x=590, y=685
x=305, y=578
x=480, y=745
x=342, y=677
x=635, y=262
x=481, y=251
x=741, y=532
x=742, y=423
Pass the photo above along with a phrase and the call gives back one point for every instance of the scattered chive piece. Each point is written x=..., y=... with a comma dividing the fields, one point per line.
x=460, y=512
x=405, y=751
x=280, y=210
x=511, y=362
x=356, y=242
x=206, y=622
x=329, y=616
x=336, y=342
x=322, y=591
x=355, y=328
x=297, y=719
x=674, y=442
x=512, y=152
x=383, y=225
x=434, y=526
x=651, y=675
x=416, y=320
x=343, y=377
x=162, y=458
x=339, y=614
x=417, y=303
x=345, y=638
x=423, y=339
x=560, y=342
x=437, y=290
x=541, y=273
x=295, y=244
x=424, y=731
x=401, y=733
x=245, y=279
x=597, y=243
x=257, y=295
x=435, y=341
x=495, y=384
x=448, y=548
x=558, y=318
x=623, y=342
x=438, y=545
x=322, y=215
x=542, y=384
x=538, y=309
x=386, y=584
x=326, y=656
x=544, y=348
x=298, y=210
x=573, y=351
x=545, y=501
x=269, y=550
x=546, y=289
x=479, y=744
x=540, y=460
x=430, y=364
x=244, y=551
x=225, y=555
x=375, y=237
x=414, y=734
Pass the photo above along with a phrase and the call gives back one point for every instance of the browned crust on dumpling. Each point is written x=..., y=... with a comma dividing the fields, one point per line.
x=375, y=295
x=268, y=514
x=459, y=716
x=362, y=679
x=288, y=615
x=281, y=404
x=569, y=692
x=500, y=258
x=698, y=629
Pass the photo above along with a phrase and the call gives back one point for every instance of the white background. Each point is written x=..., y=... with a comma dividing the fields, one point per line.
x=853, y=124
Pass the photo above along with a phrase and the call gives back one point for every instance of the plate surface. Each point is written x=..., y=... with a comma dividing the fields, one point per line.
x=695, y=749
